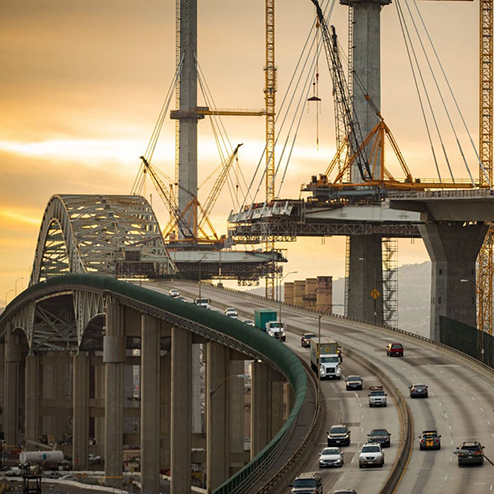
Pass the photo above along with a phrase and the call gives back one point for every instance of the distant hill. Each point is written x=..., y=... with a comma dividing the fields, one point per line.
x=414, y=293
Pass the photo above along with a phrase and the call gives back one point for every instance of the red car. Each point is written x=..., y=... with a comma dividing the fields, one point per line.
x=395, y=350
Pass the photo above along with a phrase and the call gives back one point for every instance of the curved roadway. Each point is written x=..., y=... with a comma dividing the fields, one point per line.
x=460, y=404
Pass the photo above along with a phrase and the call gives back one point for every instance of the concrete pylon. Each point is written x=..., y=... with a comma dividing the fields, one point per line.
x=260, y=419
x=11, y=390
x=237, y=413
x=367, y=68
x=453, y=249
x=288, y=292
x=32, y=399
x=150, y=404
x=218, y=415
x=165, y=419
x=80, y=426
x=365, y=276
x=114, y=357
x=181, y=411
x=324, y=294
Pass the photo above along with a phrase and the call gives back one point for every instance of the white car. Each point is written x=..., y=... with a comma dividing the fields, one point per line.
x=249, y=322
x=231, y=312
x=371, y=454
x=330, y=457
x=174, y=292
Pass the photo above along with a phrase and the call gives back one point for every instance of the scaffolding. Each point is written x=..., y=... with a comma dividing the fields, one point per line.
x=390, y=281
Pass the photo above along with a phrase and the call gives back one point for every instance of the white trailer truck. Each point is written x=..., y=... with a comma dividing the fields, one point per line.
x=324, y=358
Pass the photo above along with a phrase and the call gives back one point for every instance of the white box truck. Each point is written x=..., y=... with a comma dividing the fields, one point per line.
x=324, y=358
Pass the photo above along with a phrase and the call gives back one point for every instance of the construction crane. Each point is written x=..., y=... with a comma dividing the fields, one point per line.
x=217, y=187
x=270, y=103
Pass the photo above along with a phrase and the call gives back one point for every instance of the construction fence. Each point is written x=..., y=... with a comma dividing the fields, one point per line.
x=467, y=339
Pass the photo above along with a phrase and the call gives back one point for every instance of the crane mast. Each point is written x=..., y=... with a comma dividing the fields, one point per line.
x=270, y=103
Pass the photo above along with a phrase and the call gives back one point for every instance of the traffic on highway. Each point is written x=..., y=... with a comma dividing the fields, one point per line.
x=451, y=405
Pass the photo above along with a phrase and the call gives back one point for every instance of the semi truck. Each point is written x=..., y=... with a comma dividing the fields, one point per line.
x=263, y=316
x=325, y=359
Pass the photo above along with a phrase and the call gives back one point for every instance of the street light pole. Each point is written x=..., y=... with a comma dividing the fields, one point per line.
x=18, y=279
x=6, y=295
x=210, y=418
x=279, y=294
x=481, y=328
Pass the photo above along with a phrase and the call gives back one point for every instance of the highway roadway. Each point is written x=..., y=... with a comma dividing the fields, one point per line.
x=460, y=404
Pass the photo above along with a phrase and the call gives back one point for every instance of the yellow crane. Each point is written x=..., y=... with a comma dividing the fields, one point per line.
x=270, y=103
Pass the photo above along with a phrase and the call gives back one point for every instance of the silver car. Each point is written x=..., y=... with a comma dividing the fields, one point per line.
x=330, y=457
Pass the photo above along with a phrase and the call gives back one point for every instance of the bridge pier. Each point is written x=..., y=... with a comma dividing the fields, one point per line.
x=150, y=404
x=114, y=357
x=218, y=414
x=453, y=248
x=365, y=275
x=80, y=424
x=32, y=401
x=181, y=411
x=11, y=390
x=165, y=410
x=237, y=411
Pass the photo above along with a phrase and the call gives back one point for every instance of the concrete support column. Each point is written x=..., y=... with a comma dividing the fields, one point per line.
x=60, y=375
x=453, y=249
x=11, y=387
x=150, y=404
x=365, y=276
x=298, y=292
x=277, y=407
x=260, y=418
x=288, y=292
x=80, y=425
x=196, y=389
x=324, y=294
x=310, y=293
x=99, y=422
x=32, y=401
x=218, y=409
x=181, y=416
x=165, y=413
x=237, y=407
x=114, y=357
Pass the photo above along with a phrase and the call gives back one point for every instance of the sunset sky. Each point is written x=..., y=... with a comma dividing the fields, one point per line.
x=82, y=83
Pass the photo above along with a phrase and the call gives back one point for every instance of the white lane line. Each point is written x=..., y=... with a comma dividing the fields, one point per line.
x=445, y=478
x=492, y=434
x=445, y=416
x=452, y=441
x=360, y=405
x=414, y=375
x=463, y=388
x=451, y=458
x=450, y=428
x=473, y=398
x=490, y=488
x=489, y=422
x=441, y=371
x=362, y=416
x=440, y=404
x=453, y=380
x=341, y=478
x=431, y=393
x=481, y=409
x=352, y=459
x=361, y=429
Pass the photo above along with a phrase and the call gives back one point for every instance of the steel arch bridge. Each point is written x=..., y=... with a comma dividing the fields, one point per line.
x=107, y=235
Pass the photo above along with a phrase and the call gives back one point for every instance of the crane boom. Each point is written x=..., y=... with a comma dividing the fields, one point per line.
x=217, y=187
x=168, y=199
x=344, y=109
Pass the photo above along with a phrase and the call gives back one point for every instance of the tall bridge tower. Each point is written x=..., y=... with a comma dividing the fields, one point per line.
x=365, y=299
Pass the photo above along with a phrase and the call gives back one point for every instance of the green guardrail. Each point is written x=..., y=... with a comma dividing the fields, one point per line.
x=274, y=351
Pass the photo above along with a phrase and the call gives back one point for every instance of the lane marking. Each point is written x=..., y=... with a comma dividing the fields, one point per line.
x=450, y=428
x=473, y=398
x=489, y=422
x=463, y=388
x=451, y=458
x=445, y=416
x=481, y=409
x=453, y=380
x=445, y=478
x=440, y=404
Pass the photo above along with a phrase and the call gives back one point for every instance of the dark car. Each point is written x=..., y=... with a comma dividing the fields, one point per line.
x=430, y=440
x=470, y=453
x=353, y=382
x=305, y=340
x=339, y=435
x=345, y=491
x=380, y=436
x=419, y=391
x=395, y=350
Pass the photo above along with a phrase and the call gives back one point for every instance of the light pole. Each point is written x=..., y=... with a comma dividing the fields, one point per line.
x=318, y=347
x=481, y=329
x=7, y=294
x=279, y=292
x=210, y=419
x=18, y=279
